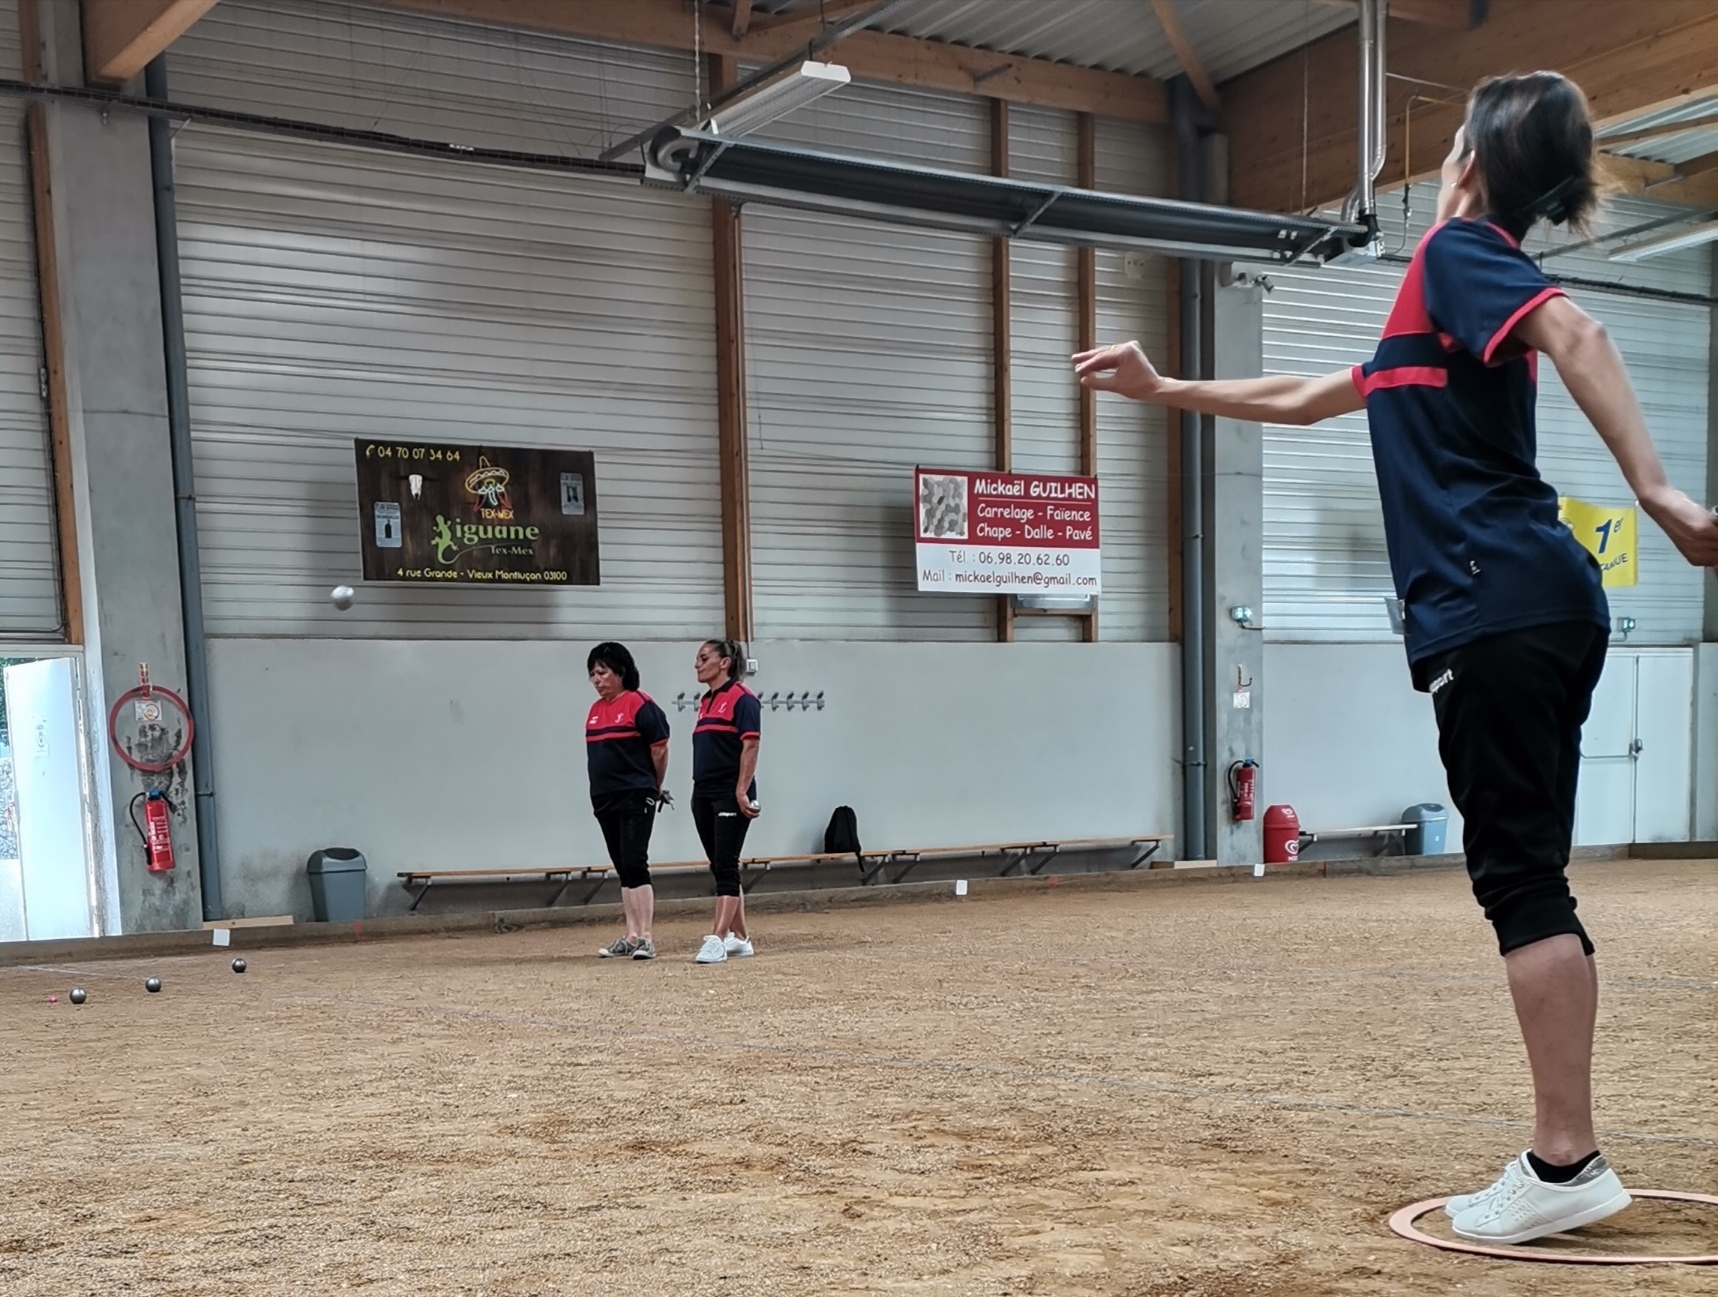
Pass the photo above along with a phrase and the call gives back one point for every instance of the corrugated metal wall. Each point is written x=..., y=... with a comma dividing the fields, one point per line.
x=29, y=572
x=334, y=293
x=1326, y=571
x=869, y=352
x=1133, y=439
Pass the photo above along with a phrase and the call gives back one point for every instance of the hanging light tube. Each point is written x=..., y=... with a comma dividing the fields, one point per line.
x=807, y=84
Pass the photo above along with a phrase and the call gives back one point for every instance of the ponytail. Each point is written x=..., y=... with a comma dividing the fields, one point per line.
x=730, y=649
x=1532, y=137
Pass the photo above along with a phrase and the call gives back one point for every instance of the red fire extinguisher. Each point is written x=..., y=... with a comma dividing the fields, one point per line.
x=1243, y=786
x=156, y=830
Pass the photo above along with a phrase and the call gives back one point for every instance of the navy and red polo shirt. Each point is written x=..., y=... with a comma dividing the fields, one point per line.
x=727, y=716
x=1475, y=544
x=619, y=734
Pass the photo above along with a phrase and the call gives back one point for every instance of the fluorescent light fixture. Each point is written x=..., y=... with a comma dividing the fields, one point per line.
x=757, y=110
x=1693, y=237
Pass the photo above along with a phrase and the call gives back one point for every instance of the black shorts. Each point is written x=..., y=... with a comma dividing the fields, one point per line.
x=722, y=830
x=1510, y=709
x=626, y=819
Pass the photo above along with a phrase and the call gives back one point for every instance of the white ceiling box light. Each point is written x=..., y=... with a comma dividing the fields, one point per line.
x=1693, y=237
x=754, y=111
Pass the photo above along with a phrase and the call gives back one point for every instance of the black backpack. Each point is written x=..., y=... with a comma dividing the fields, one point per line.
x=842, y=835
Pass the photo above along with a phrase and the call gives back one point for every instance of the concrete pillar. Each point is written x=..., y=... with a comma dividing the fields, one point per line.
x=1234, y=531
x=1710, y=634
x=110, y=308
x=1706, y=655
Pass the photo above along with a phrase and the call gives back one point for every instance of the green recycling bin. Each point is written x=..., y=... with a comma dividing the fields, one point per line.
x=337, y=884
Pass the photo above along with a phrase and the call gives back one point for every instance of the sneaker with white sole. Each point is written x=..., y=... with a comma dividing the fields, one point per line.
x=737, y=947
x=1521, y=1207
x=713, y=951
x=1460, y=1202
x=645, y=949
x=619, y=948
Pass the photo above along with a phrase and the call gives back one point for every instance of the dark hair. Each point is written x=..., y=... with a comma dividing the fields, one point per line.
x=727, y=648
x=1534, y=141
x=616, y=658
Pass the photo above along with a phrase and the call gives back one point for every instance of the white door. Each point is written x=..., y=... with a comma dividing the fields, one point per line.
x=1637, y=751
x=55, y=876
x=1604, y=806
x=1664, y=747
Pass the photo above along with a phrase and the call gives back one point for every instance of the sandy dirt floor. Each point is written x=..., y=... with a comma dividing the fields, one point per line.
x=1168, y=1092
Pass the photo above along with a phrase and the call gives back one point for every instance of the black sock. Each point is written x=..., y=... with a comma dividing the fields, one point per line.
x=1553, y=1174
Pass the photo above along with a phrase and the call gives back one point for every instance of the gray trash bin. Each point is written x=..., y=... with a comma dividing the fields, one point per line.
x=1426, y=838
x=337, y=879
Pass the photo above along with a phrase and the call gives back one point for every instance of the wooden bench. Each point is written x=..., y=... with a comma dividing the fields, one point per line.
x=871, y=865
x=1383, y=834
x=424, y=879
x=1029, y=857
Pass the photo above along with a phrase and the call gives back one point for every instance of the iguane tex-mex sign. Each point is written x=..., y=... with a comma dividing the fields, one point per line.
x=478, y=515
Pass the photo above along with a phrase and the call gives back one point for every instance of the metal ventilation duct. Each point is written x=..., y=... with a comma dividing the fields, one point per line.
x=747, y=171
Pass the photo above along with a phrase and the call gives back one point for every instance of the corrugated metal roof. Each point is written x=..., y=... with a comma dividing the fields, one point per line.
x=1676, y=146
x=1229, y=36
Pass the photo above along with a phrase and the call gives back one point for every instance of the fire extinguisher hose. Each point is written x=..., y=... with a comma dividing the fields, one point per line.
x=141, y=835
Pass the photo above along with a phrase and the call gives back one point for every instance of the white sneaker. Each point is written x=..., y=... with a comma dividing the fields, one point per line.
x=1460, y=1202
x=737, y=947
x=713, y=951
x=1521, y=1207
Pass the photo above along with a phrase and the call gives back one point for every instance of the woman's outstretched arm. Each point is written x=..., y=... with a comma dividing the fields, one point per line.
x=1593, y=371
x=1277, y=398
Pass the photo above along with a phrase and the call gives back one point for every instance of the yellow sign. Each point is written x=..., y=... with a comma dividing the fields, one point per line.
x=1608, y=534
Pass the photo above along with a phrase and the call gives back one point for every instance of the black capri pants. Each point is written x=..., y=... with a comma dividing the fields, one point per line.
x=722, y=830
x=626, y=820
x=1510, y=709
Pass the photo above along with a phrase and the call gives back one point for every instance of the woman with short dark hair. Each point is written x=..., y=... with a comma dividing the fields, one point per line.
x=626, y=746
x=724, y=792
x=1506, y=623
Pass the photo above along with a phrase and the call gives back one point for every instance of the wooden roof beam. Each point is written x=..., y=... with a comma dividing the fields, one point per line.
x=122, y=36
x=869, y=55
x=1186, y=54
x=1630, y=59
x=742, y=18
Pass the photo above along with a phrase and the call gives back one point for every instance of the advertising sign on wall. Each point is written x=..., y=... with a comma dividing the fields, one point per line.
x=1608, y=535
x=478, y=515
x=979, y=532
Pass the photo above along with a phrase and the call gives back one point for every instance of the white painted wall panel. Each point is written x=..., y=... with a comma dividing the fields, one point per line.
x=1326, y=570
x=1347, y=740
x=29, y=572
x=335, y=293
x=406, y=712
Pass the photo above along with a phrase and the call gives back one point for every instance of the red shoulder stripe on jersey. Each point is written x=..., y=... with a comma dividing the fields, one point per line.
x=1527, y=308
x=1404, y=376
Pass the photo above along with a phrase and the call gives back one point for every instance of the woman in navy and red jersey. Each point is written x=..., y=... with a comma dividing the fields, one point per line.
x=626, y=742
x=724, y=792
x=1506, y=623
